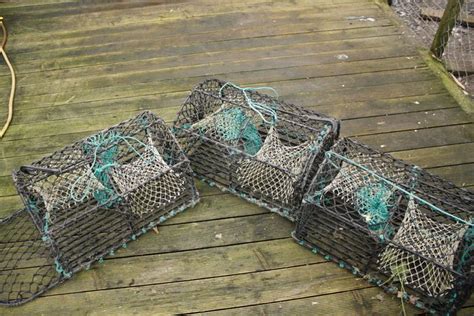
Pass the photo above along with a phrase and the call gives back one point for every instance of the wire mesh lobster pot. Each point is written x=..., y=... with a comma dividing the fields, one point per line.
x=252, y=145
x=400, y=227
x=87, y=200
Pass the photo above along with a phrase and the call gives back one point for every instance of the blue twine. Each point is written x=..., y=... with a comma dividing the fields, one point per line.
x=101, y=163
x=60, y=269
x=236, y=125
x=372, y=205
x=390, y=183
x=259, y=108
x=31, y=205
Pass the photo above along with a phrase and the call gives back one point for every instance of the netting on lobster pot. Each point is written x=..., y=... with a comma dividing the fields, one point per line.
x=397, y=225
x=88, y=199
x=252, y=144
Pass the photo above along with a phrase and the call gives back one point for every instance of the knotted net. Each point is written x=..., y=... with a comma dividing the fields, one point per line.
x=276, y=167
x=233, y=126
x=151, y=181
x=363, y=190
x=424, y=252
x=26, y=262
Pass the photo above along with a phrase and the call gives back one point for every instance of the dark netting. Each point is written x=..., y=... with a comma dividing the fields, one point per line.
x=253, y=145
x=26, y=262
x=89, y=199
x=400, y=227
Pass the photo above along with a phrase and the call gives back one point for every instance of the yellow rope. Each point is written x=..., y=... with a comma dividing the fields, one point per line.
x=12, y=91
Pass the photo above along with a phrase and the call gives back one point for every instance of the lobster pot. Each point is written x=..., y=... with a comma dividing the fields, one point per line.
x=253, y=145
x=400, y=227
x=89, y=199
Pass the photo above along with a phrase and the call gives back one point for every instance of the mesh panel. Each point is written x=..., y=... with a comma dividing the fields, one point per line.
x=147, y=194
x=260, y=175
x=26, y=262
x=452, y=45
x=426, y=239
x=67, y=190
x=231, y=125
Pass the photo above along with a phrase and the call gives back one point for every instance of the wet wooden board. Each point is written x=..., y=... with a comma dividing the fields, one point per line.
x=85, y=65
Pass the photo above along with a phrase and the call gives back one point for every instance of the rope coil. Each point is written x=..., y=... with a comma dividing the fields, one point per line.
x=12, y=72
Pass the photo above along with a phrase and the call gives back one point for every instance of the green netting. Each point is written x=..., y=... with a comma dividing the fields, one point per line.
x=231, y=125
x=106, y=145
x=373, y=204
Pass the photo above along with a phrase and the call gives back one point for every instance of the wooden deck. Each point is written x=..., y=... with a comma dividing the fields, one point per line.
x=82, y=67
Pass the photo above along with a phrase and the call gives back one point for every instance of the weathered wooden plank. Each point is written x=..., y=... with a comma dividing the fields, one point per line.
x=243, y=37
x=164, y=94
x=167, y=105
x=464, y=174
x=197, y=295
x=368, y=301
x=130, y=35
x=160, y=6
x=172, y=60
x=117, y=273
x=62, y=26
x=400, y=122
x=439, y=156
x=236, y=24
x=355, y=86
x=423, y=138
x=153, y=67
x=245, y=18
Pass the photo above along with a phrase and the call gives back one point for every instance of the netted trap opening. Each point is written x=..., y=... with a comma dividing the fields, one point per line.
x=252, y=144
x=394, y=223
x=94, y=196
